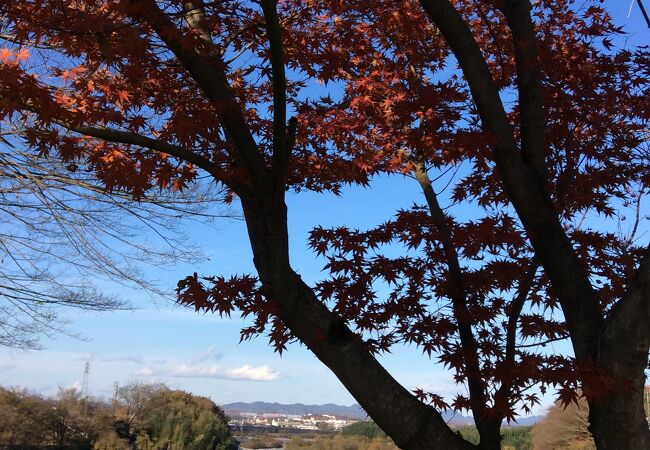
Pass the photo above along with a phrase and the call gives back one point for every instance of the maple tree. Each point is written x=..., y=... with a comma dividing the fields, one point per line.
x=539, y=132
x=482, y=270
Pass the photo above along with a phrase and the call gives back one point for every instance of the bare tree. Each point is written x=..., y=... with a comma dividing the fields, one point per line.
x=565, y=427
x=134, y=398
x=59, y=228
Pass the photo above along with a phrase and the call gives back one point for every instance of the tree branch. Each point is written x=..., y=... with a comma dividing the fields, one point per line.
x=195, y=18
x=629, y=318
x=274, y=35
x=524, y=188
x=211, y=77
x=515, y=311
x=531, y=102
x=484, y=91
x=511, y=331
x=543, y=343
x=478, y=396
x=127, y=137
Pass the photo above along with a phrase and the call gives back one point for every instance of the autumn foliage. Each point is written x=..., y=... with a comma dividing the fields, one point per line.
x=525, y=126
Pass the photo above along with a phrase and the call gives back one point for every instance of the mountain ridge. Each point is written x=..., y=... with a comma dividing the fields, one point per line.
x=353, y=412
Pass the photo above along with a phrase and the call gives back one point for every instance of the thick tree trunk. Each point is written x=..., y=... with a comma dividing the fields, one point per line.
x=621, y=349
x=489, y=432
x=410, y=423
x=619, y=422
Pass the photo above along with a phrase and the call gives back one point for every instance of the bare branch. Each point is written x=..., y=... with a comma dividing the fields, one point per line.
x=61, y=229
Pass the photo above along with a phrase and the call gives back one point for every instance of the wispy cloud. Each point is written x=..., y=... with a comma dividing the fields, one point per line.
x=210, y=353
x=445, y=388
x=195, y=370
x=145, y=372
x=135, y=359
x=189, y=314
x=8, y=366
x=245, y=372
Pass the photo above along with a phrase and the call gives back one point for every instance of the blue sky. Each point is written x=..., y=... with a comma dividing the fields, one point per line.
x=164, y=343
x=200, y=353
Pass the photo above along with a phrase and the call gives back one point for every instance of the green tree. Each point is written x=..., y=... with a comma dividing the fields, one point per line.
x=366, y=428
x=177, y=420
x=133, y=399
x=70, y=420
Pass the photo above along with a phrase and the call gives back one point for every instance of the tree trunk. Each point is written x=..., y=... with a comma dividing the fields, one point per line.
x=619, y=421
x=411, y=424
x=490, y=432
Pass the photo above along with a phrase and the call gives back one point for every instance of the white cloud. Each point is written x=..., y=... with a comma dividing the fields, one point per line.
x=246, y=372
x=195, y=370
x=76, y=386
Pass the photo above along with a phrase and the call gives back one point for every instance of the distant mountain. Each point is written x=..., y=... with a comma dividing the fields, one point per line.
x=455, y=419
x=458, y=420
x=353, y=412
x=525, y=421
